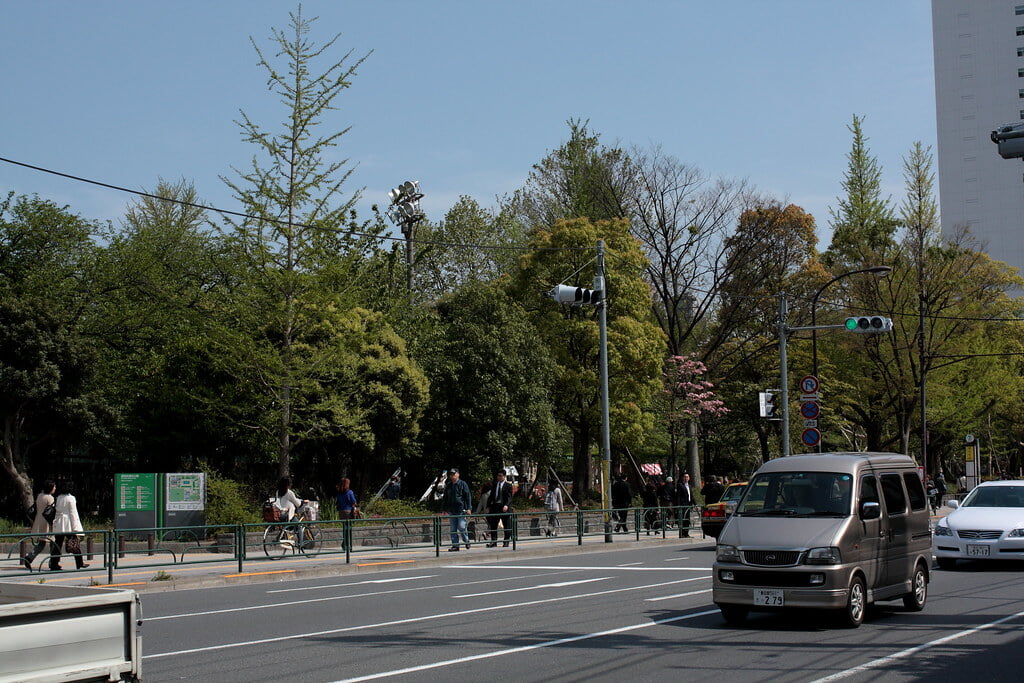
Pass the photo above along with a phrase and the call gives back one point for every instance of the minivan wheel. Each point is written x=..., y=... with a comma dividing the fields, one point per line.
x=915, y=599
x=946, y=562
x=734, y=614
x=852, y=615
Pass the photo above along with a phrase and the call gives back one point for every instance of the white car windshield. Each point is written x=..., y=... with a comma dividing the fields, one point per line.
x=995, y=497
x=805, y=494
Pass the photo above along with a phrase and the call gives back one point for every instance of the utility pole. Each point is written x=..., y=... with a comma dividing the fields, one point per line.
x=606, y=444
x=783, y=372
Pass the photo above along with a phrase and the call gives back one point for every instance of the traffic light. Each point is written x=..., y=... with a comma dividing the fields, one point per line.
x=1010, y=139
x=577, y=296
x=869, y=324
x=764, y=403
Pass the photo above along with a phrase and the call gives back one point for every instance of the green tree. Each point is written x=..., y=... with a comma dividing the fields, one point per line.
x=290, y=247
x=569, y=335
x=48, y=402
x=491, y=402
x=864, y=222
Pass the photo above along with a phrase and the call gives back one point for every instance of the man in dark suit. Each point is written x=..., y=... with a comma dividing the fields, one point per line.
x=499, y=508
x=684, y=498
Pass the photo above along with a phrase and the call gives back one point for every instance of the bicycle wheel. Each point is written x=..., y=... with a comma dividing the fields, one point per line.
x=312, y=540
x=276, y=542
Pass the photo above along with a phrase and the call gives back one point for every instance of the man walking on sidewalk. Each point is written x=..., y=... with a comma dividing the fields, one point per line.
x=499, y=509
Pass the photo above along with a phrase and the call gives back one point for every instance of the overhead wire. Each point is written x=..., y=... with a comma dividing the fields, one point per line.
x=277, y=221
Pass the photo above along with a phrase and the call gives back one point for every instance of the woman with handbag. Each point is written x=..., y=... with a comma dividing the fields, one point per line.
x=67, y=527
x=44, y=506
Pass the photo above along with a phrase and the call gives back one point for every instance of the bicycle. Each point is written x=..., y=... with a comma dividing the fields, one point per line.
x=296, y=536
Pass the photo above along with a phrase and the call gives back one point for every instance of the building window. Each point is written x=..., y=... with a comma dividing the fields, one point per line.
x=1020, y=30
x=1020, y=93
x=1018, y=10
x=1020, y=73
x=1022, y=114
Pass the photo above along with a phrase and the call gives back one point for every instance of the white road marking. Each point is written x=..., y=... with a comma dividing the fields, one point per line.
x=679, y=595
x=677, y=559
x=530, y=588
x=525, y=648
x=355, y=583
x=630, y=564
x=398, y=622
x=875, y=663
x=595, y=569
x=338, y=597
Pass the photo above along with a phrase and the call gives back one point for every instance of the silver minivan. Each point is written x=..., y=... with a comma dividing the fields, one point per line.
x=835, y=531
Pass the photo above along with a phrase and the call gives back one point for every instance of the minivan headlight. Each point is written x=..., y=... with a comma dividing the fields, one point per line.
x=943, y=530
x=823, y=556
x=728, y=553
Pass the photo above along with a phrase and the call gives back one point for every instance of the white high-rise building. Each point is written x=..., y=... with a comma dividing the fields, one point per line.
x=979, y=86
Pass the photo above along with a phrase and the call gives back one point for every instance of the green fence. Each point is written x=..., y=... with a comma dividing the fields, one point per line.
x=106, y=550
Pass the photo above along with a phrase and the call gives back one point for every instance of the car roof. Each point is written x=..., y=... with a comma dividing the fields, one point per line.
x=832, y=462
x=1003, y=482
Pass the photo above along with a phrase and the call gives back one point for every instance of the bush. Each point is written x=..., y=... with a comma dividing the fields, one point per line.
x=228, y=502
x=395, y=508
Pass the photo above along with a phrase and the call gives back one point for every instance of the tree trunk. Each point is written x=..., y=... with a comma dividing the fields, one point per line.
x=692, y=455
x=21, y=480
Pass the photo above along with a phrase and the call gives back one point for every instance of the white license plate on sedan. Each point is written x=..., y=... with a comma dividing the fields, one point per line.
x=768, y=597
x=977, y=550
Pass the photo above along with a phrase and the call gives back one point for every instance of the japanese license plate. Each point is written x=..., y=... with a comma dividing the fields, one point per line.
x=977, y=550
x=768, y=597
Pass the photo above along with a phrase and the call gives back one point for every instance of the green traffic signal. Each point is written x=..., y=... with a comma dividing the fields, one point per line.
x=851, y=324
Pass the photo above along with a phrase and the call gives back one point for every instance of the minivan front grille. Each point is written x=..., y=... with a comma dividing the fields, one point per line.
x=771, y=558
x=976, y=534
x=771, y=578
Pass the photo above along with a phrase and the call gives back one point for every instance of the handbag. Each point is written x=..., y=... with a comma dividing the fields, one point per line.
x=49, y=513
x=74, y=544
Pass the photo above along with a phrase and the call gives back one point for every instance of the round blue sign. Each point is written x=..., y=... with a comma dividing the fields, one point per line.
x=811, y=436
x=810, y=410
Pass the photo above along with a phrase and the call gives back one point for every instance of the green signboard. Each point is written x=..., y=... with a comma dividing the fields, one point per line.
x=135, y=492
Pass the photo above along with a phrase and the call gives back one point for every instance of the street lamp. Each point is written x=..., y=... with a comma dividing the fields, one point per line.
x=405, y=213
x=881, y=271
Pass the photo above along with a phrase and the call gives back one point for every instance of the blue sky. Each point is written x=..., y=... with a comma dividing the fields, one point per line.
x=466, y=96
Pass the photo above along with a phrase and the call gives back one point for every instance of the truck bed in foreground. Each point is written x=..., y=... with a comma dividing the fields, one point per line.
x=68, y=633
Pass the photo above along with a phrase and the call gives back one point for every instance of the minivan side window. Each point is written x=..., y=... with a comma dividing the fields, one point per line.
x=892, y=489
x=868, y=491
x=915, y=490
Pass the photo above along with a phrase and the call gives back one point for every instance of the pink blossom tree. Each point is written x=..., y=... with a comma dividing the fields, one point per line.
x=690, y=397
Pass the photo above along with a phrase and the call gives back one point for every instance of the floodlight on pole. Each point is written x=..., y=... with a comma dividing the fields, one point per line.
x=405, y=212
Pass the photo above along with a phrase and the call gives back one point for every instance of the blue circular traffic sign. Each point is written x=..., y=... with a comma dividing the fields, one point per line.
x=810, y=410
x=811, y=436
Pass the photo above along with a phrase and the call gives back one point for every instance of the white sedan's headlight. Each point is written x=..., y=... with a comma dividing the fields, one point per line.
x=943, y=530
x=728, y=553
x=1015, y=533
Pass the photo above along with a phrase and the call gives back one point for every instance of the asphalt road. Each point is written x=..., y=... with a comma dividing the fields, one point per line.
x=622, y=615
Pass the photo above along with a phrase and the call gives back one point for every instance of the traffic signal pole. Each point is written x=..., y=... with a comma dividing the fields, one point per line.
x=606, y=444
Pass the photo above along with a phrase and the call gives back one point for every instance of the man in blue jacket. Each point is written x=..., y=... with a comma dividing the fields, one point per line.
x=457, y=502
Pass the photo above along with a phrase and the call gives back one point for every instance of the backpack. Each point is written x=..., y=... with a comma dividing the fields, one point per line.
x=549, y=500
x=271, y=513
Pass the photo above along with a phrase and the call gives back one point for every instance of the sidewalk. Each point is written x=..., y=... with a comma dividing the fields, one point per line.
x=169, y=577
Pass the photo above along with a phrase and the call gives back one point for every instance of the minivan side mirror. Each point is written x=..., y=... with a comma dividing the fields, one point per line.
x=953, y=503
x=870, y=510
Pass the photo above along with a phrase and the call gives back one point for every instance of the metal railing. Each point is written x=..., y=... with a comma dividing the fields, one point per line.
x=159, y=547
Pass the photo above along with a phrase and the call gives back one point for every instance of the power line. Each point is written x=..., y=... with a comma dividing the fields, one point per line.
x=305, y=226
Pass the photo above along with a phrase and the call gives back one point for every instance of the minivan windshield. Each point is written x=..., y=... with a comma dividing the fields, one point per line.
x=804, y=494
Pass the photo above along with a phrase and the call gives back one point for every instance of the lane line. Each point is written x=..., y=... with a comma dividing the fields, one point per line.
x=631, y=564
x=354, y=583
x=374, y=564
x=875, y=663
x=526, y=648
x=563, y=584
x=334, y=597
x=595, y=569
x=679, y=595
x=399, y=622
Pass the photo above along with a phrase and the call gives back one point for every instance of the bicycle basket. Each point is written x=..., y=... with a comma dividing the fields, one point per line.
x=311, y=511
x=271, y=513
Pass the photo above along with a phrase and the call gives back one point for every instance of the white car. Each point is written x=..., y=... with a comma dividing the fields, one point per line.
x=988, y=525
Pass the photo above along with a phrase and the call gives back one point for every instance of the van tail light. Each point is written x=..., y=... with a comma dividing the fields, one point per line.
x=710, y=513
